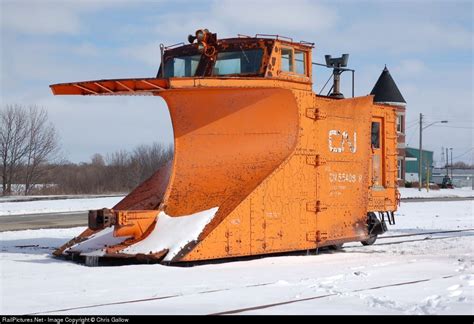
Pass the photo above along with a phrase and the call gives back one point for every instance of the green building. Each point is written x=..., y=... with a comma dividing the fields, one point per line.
x=411, y=164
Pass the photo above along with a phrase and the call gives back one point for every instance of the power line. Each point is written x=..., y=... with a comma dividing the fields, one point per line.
x=408, y=127
x=454, y=126
x=460, y=121
x=461, y=155
x=451, y=120
x=411, y=136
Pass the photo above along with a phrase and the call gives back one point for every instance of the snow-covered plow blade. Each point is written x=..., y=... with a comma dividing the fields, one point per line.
x=227, y=141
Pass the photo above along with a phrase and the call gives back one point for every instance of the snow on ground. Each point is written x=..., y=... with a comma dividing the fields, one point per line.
x=437, y=272
x=56, y=206
x=83, y=204
x=456, y=192
x=53, y=197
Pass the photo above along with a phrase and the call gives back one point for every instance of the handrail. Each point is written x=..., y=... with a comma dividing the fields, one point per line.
x=276, y=36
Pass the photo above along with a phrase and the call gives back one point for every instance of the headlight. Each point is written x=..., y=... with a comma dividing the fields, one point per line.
x=200, y=35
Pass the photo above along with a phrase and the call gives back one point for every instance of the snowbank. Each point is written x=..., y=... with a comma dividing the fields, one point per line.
x=442, y=193
x=53, y=197
x=56, y=206
x=83, y=204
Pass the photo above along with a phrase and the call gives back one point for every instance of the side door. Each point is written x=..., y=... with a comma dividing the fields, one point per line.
x=377, y=148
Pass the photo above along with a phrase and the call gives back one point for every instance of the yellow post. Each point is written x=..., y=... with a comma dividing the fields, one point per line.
x=427, y=178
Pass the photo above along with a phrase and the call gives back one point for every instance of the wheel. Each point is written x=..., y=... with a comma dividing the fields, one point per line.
x=370, y=241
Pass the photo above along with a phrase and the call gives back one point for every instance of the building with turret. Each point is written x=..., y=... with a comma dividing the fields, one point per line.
x=386, y=92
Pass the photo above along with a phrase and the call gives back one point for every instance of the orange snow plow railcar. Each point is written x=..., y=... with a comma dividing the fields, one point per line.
x=261, y=163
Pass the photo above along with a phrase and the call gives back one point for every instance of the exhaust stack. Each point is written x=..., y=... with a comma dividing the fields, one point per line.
x=337, y=63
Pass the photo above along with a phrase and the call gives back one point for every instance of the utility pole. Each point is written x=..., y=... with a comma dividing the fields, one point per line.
x=420, y=155
x=447, y=162
x=451, y=149
x=427, y=177
x=442, y=157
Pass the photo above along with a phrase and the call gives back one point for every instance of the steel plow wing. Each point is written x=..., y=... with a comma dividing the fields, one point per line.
x=141, y=86
x=227, y=144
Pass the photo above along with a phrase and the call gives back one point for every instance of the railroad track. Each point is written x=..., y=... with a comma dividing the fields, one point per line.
x=246, y=309
x=427, y=238
x=299, y=300
x=427, y=233
x=133, y=301
x=270, y=305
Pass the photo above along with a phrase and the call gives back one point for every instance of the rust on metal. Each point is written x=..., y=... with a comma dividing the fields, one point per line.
x=108, y=87
x=287, y=169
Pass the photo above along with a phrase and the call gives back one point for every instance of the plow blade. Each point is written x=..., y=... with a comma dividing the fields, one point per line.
x=142, y=86
x=228, y=145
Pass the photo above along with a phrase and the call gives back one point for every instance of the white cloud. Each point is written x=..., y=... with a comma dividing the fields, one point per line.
x=270, y=16
x=148, y=53
x=37, y=17
x=49, y=17
x=47, y=60
x=402, y=37
x=29, y=67
x=410, y=67
x=86, y=49
x=172, y=28
x=228, y=18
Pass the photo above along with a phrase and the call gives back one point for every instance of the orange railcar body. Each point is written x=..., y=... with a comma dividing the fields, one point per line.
x=288, y=170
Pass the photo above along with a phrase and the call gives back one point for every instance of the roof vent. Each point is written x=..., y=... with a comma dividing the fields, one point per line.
x=337, y=63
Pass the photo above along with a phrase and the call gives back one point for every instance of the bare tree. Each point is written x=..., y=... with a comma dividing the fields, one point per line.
x=462, y=165
x=120, y=171
x=13, y=134
x=149, y=158
x=42, y=145
x=27, y=141
x=97, y=160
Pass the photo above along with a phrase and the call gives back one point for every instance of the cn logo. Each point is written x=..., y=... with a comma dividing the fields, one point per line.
x=340, y=141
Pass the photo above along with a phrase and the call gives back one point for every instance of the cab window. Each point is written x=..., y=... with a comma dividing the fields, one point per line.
x=182, y=66
x=238, y=62
x=287, y=59
x=300, y=62
x=293, y=61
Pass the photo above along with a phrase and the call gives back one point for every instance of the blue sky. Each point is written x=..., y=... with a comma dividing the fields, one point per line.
x=427, y=46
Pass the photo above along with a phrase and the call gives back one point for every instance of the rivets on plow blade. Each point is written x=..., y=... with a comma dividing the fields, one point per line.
x=317, y=236
x=315, y=160
x=315, y=114
x=315, y=207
